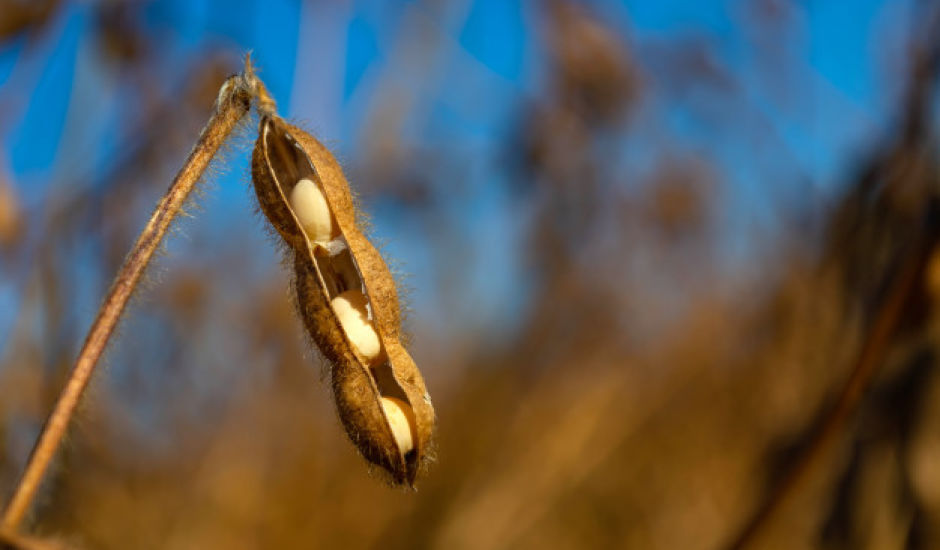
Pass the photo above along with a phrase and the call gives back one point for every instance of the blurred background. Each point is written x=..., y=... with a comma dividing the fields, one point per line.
x=644, y=247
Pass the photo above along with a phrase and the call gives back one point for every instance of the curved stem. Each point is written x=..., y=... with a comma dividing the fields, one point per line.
x=233, y=103
x=866, y=366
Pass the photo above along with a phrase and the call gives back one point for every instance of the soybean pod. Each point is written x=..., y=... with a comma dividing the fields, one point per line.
x=346, y=297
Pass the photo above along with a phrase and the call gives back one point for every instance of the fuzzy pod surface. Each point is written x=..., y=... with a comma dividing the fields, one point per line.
x=283, y=156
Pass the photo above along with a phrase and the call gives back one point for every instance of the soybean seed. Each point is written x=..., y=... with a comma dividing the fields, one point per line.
x=402, y=421
x=350, y=308
x=312, y=211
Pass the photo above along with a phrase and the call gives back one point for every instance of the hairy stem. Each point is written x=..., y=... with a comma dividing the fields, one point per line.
x=233, y=103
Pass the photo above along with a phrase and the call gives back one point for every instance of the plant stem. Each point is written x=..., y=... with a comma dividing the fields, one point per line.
x=233, y=103
x=867, y=364
x=900, y=293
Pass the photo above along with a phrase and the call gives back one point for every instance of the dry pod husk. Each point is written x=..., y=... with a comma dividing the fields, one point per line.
x=346, y=297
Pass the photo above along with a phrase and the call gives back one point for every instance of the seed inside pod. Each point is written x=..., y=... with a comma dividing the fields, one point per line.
x=350, y=308
x=313, y=212
x=402, y=421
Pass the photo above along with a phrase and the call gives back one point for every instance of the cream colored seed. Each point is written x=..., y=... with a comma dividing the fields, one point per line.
x=313, y=212
x=350, y=308
x=402, y=421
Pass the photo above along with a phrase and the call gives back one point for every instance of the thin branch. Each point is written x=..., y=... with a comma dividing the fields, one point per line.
x=233, y=103
x=902, y=289
x=870, y=358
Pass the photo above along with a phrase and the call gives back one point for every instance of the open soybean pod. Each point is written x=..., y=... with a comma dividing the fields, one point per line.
x=347, y=298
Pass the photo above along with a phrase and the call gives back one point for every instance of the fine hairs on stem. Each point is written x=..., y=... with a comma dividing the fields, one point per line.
x=233, y=103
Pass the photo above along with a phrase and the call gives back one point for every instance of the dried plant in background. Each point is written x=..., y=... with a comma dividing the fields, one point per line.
x=11, y=217
x=881, y=240
x=19, y=542
x=643, y=392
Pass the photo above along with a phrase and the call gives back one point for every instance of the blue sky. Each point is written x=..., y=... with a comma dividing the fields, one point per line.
x=839, y=50
x=62, y=105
